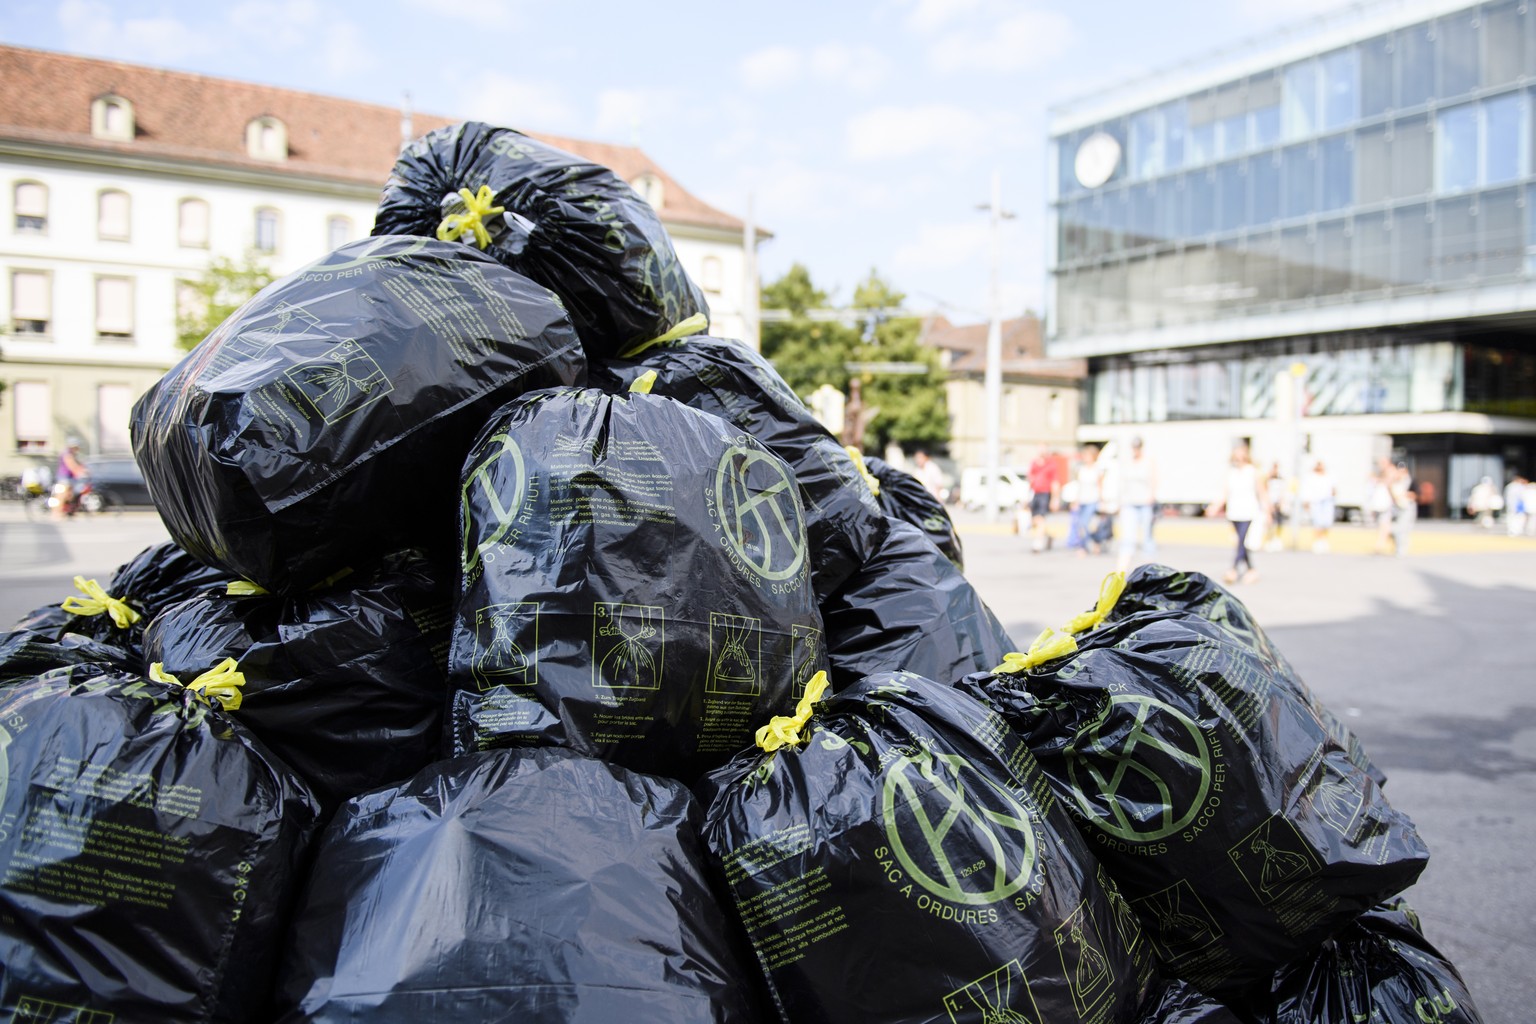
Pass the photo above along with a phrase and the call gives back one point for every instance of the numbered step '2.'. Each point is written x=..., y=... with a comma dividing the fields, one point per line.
x=636, y=583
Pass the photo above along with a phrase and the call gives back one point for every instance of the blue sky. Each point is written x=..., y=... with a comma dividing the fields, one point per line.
x=866, y=131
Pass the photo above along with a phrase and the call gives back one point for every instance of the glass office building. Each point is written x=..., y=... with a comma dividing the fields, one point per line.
x=1358, y=196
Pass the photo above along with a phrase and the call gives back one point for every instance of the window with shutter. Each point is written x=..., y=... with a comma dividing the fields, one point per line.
x=192, y=224
x=31, y=302
x=114, y=406
x=31, y=208
x=114, y=307
x=112, y=216
x=33, y=403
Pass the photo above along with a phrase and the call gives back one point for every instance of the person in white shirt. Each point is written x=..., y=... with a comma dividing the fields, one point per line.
x=1243, y=502
x=1319, y=494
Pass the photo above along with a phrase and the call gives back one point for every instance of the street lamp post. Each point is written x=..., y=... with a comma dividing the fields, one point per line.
x=993, y=380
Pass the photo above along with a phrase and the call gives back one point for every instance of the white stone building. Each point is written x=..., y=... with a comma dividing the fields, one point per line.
x=119, y=183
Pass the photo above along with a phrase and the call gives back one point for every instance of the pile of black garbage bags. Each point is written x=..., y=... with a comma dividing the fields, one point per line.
x=522, y=653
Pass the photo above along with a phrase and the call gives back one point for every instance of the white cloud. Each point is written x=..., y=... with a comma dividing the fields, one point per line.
x=285, y=25
x=770, y=68
x=928, y=15
x=1020, y=42
x=344, y=52
x=624, y=114
x=860, y=68
x=891, y=132
x=91, y=28
x=944, y=246
x=1269, y=12
x=500, y=98
x=481, y=14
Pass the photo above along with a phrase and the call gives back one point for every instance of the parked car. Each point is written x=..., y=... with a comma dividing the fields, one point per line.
x=115, y=483
x=1012, y=487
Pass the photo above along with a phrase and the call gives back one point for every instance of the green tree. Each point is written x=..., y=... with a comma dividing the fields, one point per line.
x=807, y=353
x=913, y=411
x=224, y=287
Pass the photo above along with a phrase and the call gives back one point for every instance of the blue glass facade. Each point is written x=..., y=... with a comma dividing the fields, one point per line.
x=1397, y=165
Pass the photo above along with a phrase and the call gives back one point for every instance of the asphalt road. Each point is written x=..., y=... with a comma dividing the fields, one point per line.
x=1428, y=658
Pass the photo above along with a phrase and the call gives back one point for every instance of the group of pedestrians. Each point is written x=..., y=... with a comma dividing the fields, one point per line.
x=1517, y=502
x=1104, y=497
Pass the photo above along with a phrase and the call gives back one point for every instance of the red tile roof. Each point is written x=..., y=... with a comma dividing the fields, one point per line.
x=46, y=97
x=1023, y=349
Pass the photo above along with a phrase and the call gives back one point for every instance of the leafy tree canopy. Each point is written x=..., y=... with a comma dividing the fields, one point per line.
x=809, y=353
x=224, y=287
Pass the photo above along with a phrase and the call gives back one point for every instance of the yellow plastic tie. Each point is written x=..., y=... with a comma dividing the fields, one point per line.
x=693, y=325
x=245, y=588
x=221, y=683
x=1048, y=646
x=858, y=460
x=472, y=222
x=1109, y=592
x=643, y=383
x=96, y=601
x=784, y=730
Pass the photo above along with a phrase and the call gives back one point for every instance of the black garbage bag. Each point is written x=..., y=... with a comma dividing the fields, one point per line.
x=896, y=856
x=320, y=427
x=903, y=497
x=842, y=518
x=572, y=225
x=1178, y=1002
x=25, y=654
x=346, y=684
x=1159, y=588
x=526, y=885
x=116, y=614
x=909, y=608
x=149, y=850
x=1234, y=823
x=1378, y=968
x=635, y=584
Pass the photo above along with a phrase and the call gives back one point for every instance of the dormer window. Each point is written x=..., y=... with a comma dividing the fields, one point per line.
x=650, y=188
x=112, y=118
x=266, y=138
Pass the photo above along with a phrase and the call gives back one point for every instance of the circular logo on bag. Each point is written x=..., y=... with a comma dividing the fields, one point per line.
x=491, y=497
x=1142, y=771
x=760, y=513
x=957, y=833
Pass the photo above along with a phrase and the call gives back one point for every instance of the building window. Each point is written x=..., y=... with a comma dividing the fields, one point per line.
x=266, y=138
x=31, y=302
x=113, y=213
x=267, y=223
x=114, y=307
x=34, y=415
x=192, y=224
x=338, y=231
x=651, y=190
x=31, y=208
x=112, y=118
x=114, y=406
x=710, y=274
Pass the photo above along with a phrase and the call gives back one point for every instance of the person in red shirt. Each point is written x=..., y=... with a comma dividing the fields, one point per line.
x=1045, y=495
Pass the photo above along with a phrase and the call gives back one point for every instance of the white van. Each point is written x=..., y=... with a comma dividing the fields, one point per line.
x=1012, y=487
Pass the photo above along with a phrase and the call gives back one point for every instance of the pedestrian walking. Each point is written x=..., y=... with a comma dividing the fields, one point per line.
x=1045, y=496
x=1516, y=510
x=1136, y=487
x=1242, y=502
x=1405, y=507
x=1276, y=495
x=1320, y=496
x=1380, y=504
x=1084, y=504
x=1483, y=502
